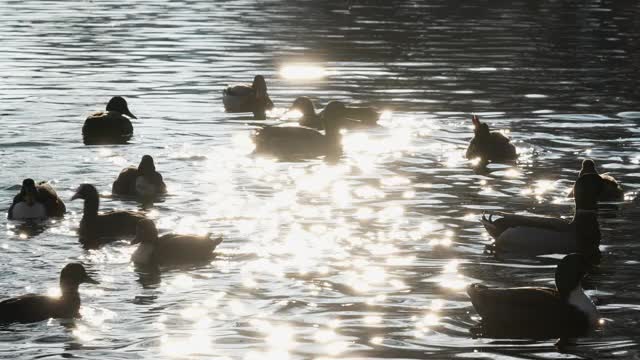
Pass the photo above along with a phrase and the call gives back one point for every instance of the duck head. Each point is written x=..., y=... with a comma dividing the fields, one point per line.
x=146, y=232
x=570, y=272
x=586, y=190
x=119, y=104
x=29, y=191
x=260, y=86
x=72, y=275
x=588, y=167
x=85, y=192
x=304, y=105
x=480, y=129
x=147, y=167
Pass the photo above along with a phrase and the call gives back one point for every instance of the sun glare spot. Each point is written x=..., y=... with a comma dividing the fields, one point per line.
x=302, y=71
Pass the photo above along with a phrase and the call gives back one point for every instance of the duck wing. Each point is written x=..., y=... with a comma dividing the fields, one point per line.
x=290, y=141
x=239, y=90
x=125, y=184
x=105, y=227
x=496, y=227
x=174, y=248
x=366, y=115
x=612, y=190
x=107, y=127
x=53, y=204
x=530, y=312
x=28, y=308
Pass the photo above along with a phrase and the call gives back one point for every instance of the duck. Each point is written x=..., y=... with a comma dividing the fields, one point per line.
x=301, y=142
x=170, y=248
x=142, y=181
x=94, y=227
x=354, y=117
x=33, y=308
x=36, y=201
x=489, y=146
x=248, y=98
x=110, y=126
x=612, y=190
x=538, y=312
x=536, y=235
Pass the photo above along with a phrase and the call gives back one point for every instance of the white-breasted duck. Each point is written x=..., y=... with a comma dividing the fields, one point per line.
x=110, y=126
x=612, y=190
x=248, y=98
x=33, y=308
x=299, y=142
x=489, y=146
x=36, y=201
x=354, y=117
x=538, y=312
x=536, y=235
x=170, y=248
x=142, y=181
x=97, y=229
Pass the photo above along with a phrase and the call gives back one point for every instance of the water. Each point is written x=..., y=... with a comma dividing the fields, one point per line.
x=364, y=259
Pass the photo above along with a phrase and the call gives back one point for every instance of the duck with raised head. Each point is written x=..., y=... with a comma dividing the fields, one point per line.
x=170, y=248
x=110, y=126
x=354, y=117
x=538, y=312
x=33, y=308
x=36, y=201
x=299, y=142
x=248, y=98
x=142, y=181
x=537, y=235
x=489, y=146
x=96, y=229
x=612, y=190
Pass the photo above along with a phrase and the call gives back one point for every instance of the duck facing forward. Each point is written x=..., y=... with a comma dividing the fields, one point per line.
x=33, y=308
x=248, y=98
x=110, y=126
x=612, y=190
x=488, y=145
x=536, y=235
x=354, y=117
x=538, y=312
x=142, y=181
x=170, y=248
x=94, y=227
x=299, y=142
x=36, y=202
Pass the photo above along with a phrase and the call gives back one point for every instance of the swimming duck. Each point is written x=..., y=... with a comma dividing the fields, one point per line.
x=36, y=202
x=612, y=190
x=539, y=312
x=303, y=142
x=110, y=126
x=354, y=117
x=143, y=181
x=94, y=226
x=248, y=98
x=536, y=235
x=489, y=146
x=170, y=248
x=33, y=308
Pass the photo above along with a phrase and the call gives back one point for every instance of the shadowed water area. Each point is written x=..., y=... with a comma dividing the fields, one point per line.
x=366, y=258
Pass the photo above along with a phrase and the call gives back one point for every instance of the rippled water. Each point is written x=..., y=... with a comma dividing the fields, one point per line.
x=367, y=258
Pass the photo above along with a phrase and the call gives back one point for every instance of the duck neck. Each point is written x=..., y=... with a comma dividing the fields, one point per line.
x=91, y=207
x=588, y=234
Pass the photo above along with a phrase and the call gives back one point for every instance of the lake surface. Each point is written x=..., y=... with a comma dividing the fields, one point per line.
x=367, y=258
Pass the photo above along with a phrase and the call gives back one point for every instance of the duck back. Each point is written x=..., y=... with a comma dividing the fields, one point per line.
x=107, y=127
x=290, y=142
x=33, y=308
x=176, y=249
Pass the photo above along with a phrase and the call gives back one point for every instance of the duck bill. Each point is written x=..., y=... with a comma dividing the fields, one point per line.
x=75, y=196
x=129, y=114
x=90, y=280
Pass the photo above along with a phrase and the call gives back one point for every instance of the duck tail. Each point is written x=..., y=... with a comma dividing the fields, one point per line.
x=488, y=222
x=474, y=289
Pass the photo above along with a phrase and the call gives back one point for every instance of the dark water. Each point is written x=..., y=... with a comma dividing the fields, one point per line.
x=364, y=259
